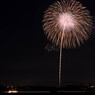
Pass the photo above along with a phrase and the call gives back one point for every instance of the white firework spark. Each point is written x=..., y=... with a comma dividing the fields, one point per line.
x=66, y=21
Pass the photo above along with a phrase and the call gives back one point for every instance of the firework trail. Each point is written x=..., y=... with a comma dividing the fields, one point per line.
x=67, y=24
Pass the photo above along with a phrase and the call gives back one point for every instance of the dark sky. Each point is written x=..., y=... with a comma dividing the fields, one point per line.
x=23, y=58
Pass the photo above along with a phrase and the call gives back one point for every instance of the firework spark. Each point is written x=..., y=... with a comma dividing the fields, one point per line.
x=67, y=24
x=66, y=21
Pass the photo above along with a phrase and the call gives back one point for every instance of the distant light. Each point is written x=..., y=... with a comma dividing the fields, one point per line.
x=8, y=86
x=12, y=86
x=12, y=91
x=92, y=86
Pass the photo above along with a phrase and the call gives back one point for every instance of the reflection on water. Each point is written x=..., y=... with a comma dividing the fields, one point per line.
x=44, y=92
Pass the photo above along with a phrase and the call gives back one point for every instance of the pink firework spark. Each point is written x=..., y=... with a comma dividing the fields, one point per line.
x=66, y=21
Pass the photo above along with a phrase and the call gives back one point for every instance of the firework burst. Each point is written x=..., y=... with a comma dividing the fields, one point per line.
x=69, y=19
x=67, y=24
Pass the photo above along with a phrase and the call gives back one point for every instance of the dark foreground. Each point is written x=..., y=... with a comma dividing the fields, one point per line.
x=28, y=90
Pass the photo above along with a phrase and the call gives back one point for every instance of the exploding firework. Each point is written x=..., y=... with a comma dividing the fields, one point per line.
x=69, y=19
x=67, y=24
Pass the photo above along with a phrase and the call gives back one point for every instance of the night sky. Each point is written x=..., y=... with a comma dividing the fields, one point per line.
x=23, y=58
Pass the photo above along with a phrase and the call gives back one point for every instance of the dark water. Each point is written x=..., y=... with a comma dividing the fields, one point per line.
x=50, y=93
